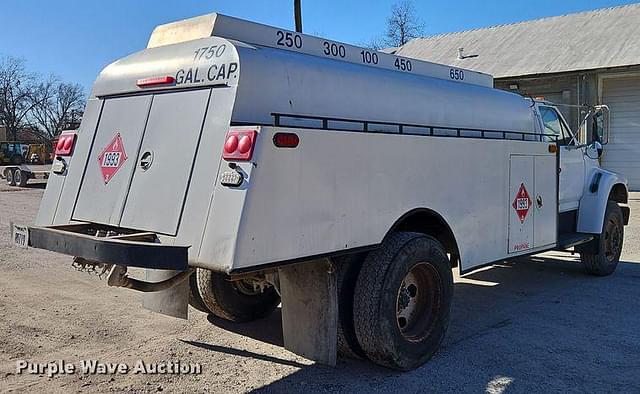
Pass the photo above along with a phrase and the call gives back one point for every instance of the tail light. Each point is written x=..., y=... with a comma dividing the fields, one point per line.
x=65, y=144
x=286, y=140
x=238, y=145
x=155, y=81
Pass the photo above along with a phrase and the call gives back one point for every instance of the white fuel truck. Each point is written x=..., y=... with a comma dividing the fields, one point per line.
x=244, y=166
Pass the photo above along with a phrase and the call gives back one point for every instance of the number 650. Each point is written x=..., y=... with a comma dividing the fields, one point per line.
x=457, y=75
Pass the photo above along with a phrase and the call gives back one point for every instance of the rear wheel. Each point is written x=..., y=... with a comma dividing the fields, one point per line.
x=237, y=301
x=194, y=295
x=402, y=301
x=9, y=177
x=608, y=245
x=20, y=178
x=347, y=268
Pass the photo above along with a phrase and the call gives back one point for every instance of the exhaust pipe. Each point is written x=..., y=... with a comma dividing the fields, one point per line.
x=118, y=278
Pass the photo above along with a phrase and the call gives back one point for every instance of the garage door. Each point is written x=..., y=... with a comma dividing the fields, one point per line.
x=622, y=154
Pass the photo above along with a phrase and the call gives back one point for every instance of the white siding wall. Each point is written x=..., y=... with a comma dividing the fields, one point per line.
x=622, y=154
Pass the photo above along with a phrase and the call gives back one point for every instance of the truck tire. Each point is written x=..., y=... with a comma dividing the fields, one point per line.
x=232, y=300
x=608, y=244
x=402, y=302
x=194, y=295
x=9, y=177
x=348, y=267
x=20, y=178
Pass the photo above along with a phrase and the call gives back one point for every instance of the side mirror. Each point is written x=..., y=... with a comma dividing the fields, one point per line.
x=601, y=125
x=594, y=150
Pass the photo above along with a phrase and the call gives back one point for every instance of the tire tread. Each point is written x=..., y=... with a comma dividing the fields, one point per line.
x=369, y=290
x=596, y=264
x=219, y=297
x=348, y=268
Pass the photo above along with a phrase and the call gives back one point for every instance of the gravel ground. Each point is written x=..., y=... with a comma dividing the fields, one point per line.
x=538, y=324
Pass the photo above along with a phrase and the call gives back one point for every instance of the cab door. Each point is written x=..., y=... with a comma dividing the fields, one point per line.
x=572, y=166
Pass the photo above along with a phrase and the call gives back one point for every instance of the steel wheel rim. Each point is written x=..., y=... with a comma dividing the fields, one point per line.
x=245, y=287
x=612, y=240
x=418, y=302
x=17, y=177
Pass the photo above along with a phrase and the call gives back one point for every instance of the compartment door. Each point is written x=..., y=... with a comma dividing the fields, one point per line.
x=545, y=201
x=112, y=160
x=163, y=166
x=521, y=188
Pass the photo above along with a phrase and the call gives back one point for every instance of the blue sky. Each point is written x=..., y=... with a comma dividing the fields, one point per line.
x=75, y=39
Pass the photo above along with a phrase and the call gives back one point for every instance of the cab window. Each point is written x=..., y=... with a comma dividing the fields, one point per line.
x=554, y=126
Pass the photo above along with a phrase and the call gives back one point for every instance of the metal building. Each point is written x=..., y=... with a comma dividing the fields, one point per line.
x=584, y=58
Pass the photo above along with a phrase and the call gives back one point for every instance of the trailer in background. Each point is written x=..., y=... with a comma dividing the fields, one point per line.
x=19, y=175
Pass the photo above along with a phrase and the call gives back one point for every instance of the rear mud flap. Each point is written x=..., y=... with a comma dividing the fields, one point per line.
x=173, y=301
x=310, y=310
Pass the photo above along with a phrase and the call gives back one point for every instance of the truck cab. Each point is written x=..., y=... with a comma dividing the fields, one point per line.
x=580, y=201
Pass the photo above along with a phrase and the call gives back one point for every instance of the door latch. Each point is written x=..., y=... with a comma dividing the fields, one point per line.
x=146, y=160
x=539, y=201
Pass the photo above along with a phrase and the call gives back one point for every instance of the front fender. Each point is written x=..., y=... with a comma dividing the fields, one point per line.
x=594, y=199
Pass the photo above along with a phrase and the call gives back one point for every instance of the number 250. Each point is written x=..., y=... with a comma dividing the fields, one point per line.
x=289, y=39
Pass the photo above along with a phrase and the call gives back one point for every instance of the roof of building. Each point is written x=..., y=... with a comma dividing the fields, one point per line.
x=603, y=38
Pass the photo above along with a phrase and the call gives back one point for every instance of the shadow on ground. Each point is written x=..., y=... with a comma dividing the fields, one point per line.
x=40, y=185
x=534, y=324
x=35, y=185
x=267, y=330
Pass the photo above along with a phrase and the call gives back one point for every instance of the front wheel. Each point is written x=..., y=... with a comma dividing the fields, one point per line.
x=608, y=244
x=238, y=301
x=402, y=301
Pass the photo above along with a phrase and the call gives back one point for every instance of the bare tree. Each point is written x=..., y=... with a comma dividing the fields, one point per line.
x=375, y=43
x=17, y=94
x=403, y=24
x=59, y=105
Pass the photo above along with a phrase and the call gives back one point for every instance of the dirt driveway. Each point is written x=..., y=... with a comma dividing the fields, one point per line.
x=539, y=324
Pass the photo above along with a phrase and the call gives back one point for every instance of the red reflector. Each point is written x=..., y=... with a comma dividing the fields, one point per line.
x=65, y=144
x=239, y=145
x=154, y=81
x=286, y=140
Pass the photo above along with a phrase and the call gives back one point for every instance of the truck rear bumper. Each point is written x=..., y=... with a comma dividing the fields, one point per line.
x=141, y=249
